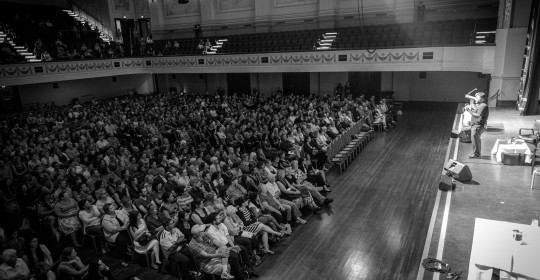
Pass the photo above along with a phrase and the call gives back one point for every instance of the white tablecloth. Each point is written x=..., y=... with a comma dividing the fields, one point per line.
x=518, y=147
x=494, y=247
x=504, y=141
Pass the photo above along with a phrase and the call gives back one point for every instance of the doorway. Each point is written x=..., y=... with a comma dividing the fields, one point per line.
x=126, y=32
x=366, y=83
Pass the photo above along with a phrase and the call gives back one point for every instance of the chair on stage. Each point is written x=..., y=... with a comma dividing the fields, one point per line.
x=535, y=159
x=531, y=135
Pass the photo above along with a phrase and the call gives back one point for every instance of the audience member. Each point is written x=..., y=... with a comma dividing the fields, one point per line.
x=68, y=221
x=114, y=223
x=70, y=266
x=143, y=240
x=98, y=270
x=210, y=259
x=174, y=245
x=13, y=268
x=37, y=253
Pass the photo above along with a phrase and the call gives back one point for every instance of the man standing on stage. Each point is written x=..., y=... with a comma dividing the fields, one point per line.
x=480, y=114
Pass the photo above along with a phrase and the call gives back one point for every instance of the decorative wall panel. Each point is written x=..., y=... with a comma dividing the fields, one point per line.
x=122, y=5
x=281, y=3
x=141, y=6
x=235, y=5
x=173, y=9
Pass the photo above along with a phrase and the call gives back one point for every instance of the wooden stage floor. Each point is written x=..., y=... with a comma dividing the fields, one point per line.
x=376, y=229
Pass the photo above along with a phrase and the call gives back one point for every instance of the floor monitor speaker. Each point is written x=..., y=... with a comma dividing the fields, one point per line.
x=446, y=183
x=457, y=170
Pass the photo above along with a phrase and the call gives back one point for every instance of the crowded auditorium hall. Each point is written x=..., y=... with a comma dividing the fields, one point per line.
x=269, y=139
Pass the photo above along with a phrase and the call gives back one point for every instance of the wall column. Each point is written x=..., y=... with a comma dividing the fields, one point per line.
x=510, y=43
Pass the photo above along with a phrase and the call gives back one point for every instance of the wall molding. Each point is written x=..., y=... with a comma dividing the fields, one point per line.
x=295, y=3
x=467, y=58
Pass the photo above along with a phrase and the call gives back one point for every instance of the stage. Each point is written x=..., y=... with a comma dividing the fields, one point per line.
x=497, y=192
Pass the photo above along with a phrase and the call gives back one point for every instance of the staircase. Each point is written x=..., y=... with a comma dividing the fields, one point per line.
x=326, y=40
x=484, y=37
x=218, y=45
x=81, y=16
x=30, y=57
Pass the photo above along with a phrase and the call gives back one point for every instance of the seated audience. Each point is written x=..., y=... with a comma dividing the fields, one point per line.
x=167, y=156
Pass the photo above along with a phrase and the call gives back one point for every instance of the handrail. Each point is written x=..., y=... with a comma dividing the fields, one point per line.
x=104, y=30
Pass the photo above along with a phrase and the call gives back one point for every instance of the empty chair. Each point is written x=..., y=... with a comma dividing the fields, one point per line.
x=446, y=38
x=531, y=135
x=419, y=28
x=425, y=42
x=436, y=38
x=535, y=159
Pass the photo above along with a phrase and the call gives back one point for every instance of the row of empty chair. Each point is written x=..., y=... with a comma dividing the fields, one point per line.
x=454, y=32
x=439, y=33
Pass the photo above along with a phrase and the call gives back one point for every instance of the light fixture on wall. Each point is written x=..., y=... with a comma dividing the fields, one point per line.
x=124, y=16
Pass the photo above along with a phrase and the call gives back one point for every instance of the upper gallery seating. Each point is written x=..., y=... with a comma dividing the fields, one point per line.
x=40, y=33
x=440, y=33
x=46, y=32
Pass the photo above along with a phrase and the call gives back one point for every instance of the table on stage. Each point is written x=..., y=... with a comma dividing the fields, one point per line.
x=517, y=147
x=494, y=247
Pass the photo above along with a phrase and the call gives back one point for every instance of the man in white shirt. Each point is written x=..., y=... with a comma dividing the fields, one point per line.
x=219, y=232
x=114, y=223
